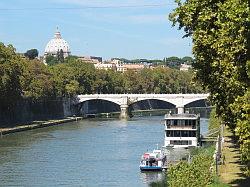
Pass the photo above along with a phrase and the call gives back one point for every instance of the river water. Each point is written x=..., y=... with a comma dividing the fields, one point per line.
x=97, y=152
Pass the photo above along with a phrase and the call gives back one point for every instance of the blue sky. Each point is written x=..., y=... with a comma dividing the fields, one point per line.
x=108, y=28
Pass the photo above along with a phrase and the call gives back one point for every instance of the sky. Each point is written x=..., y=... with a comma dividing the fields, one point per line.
x=129, y=29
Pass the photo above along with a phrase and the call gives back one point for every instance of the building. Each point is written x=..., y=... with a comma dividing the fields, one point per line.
x=57, y=45
x=185, y=67
x=105, y=66
x=91, y=59
x=118, y=64
x=133, y=67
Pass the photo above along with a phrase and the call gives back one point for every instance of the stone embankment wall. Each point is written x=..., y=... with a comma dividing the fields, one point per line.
x=25, y=111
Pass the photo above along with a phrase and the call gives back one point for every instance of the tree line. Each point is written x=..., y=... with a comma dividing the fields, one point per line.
x=30, y=78
x=172, y=62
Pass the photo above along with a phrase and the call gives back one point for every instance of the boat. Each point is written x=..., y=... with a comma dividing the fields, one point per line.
x=182, y=130
x=153, y=161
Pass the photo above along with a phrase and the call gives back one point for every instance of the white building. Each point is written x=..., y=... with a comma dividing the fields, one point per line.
x=185, y=67
x=105, y=66
x=56, y=45
x=119, y=65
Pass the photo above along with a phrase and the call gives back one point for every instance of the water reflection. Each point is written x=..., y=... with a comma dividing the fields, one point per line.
x=153, y=176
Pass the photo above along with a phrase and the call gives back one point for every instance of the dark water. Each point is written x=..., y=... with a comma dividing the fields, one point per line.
x=84, y=153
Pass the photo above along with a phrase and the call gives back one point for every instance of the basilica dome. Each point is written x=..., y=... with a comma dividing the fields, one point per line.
x=57, y=44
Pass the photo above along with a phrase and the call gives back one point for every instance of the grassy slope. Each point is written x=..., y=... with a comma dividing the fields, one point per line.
x=232, y=171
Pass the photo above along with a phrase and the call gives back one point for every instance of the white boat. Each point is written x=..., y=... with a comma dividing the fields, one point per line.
x=182, y=130
x=152, y=161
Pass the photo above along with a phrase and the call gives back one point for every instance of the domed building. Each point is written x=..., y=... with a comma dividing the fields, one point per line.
x=56, y=45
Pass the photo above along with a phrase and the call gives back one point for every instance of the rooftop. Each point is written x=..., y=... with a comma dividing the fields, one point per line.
x=182, y=116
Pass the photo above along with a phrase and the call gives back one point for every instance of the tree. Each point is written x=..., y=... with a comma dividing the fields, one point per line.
x=31, y=54
x=220, y=32
x=187, y=59
x=60, y=56
x=51, y=60
x=173, y=62
x=10, y=74
x=36, y=80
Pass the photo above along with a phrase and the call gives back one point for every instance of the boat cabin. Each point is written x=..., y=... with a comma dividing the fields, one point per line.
x=182, y=130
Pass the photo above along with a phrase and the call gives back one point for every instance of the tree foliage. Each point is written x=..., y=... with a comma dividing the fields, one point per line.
x=197, y=173
x=31, y=54
x=10, y=74
x=214, y=120
x=25, y=78
x=220, y=33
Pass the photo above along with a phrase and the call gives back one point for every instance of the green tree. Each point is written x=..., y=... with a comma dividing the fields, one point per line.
x=220, y=32
x=51, y=60
x=60, y=56
x=214, y=121
x=188, y=60
x=10, y=74
x=72, y=88
x=31, y=54
x=36, y=80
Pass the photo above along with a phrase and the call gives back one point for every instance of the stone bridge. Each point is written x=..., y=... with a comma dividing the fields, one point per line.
x=124, y=100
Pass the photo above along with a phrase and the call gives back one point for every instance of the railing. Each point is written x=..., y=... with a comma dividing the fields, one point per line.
x=180, y=127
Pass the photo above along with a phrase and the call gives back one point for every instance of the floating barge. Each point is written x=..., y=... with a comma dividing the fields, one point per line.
x=182, y=130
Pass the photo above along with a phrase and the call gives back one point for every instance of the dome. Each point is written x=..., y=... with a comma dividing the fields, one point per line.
x=57, y=44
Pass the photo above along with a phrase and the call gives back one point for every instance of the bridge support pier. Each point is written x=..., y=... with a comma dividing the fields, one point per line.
x=180, y=109
x=124, y=112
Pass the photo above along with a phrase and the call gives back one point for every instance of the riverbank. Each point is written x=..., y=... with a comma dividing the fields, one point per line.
x=37, y=124
x=231, y=172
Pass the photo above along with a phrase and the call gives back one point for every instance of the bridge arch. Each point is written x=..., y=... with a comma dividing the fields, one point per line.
x=202, y=102
x=153, y=99
x=103, y=99
x=96, y=106
x=152, y=104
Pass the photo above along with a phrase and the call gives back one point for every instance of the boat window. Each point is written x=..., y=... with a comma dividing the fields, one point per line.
x=186, y=122
x=169, y=133
x=177, y=133
x=192, y=134
x=193, y=124
x=179, y=142
x=184, y=134
x=175, y=122
x=168, y=122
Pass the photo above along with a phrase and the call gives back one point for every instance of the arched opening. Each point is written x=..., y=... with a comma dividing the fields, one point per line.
x=202, y=107
x=151, y=106
x=98, y=107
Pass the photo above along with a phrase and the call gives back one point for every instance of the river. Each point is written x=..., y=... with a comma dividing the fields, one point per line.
x=96, y=152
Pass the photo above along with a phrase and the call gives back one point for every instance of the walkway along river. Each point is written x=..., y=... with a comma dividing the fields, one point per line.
x=96, y=152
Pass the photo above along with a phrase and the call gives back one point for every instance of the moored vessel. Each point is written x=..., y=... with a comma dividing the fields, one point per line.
x=182, y=130
x=153, y=161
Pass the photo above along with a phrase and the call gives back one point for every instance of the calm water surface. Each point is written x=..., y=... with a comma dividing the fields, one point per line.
x=85, y=153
